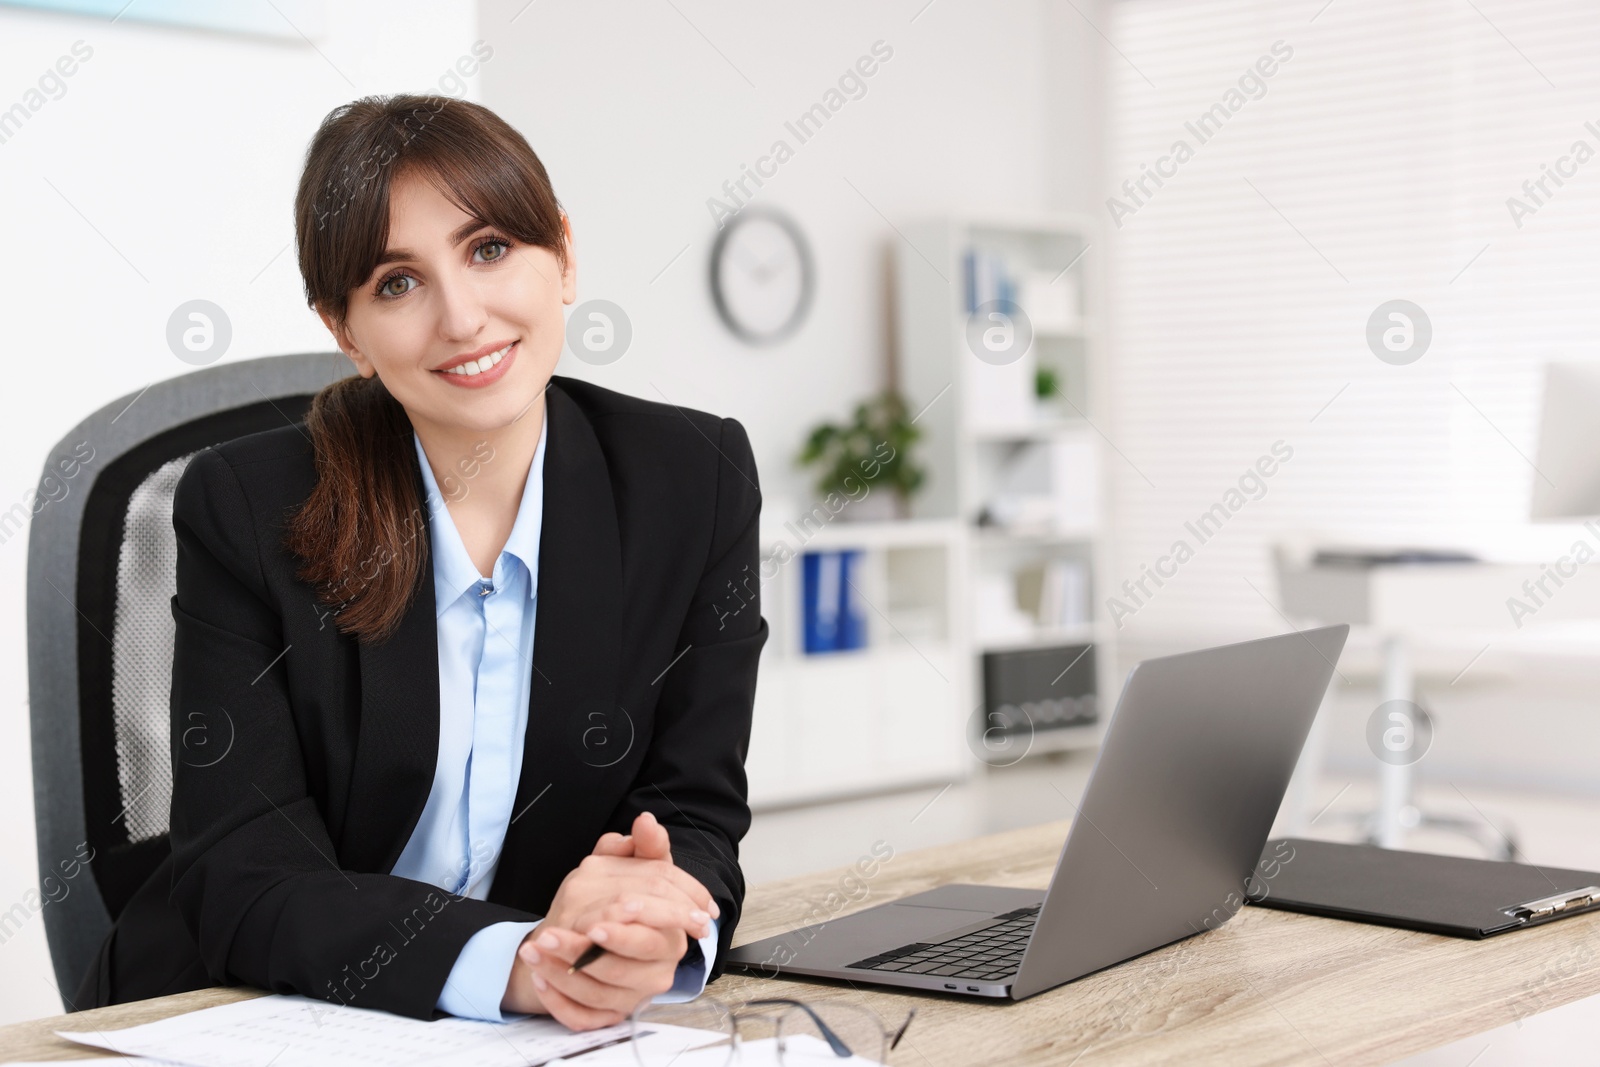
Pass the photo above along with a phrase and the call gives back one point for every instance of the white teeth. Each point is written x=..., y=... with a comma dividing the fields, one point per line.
x=481, y=365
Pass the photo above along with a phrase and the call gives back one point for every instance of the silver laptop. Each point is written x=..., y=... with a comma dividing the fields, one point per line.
x=1189, y=778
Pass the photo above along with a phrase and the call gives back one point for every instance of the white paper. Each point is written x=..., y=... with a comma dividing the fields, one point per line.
x=801, y=1049
x=124, y=1061
x=314, y=1033
x=663, y=1044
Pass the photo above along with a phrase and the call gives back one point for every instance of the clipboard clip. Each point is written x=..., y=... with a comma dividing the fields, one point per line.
x=1546, y=907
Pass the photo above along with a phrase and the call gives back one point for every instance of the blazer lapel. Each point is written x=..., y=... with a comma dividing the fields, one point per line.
x=398, y=742
x=576, y=731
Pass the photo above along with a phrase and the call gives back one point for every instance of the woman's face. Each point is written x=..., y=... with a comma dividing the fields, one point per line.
x=454, y=288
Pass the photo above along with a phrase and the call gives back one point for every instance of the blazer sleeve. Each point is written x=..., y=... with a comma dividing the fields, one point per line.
x=256, y=875
x=693, y=776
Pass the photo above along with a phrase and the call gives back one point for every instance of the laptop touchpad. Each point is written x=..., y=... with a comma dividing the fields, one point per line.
x=854, y=937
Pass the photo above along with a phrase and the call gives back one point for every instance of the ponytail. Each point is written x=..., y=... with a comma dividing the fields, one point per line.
x=360, y=534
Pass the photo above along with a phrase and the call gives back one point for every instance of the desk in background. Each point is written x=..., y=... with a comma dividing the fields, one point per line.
x=1269, y=987
x=1401, y=603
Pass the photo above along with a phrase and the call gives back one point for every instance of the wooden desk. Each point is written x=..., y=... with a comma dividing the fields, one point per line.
x=1267, y=988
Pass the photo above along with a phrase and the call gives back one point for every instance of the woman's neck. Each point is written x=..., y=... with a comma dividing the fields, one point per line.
x=481, y=476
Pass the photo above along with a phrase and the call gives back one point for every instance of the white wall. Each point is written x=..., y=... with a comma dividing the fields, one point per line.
x=641, y=117
x=182, y=149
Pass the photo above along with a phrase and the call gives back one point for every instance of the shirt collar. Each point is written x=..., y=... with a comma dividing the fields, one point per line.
x=453, y=570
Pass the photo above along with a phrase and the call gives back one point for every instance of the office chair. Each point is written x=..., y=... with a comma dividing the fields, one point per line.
x=102, y=569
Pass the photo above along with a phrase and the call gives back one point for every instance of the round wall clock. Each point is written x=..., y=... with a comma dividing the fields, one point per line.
x=762, y=275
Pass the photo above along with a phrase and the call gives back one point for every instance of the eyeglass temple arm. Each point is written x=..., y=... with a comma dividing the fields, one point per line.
x=839, y=1048
x=898, y=1034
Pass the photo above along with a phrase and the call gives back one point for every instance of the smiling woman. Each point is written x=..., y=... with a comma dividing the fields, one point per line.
x=376, y=288
x=528, y=707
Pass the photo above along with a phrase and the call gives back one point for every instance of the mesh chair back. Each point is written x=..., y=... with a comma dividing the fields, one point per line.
x=141, y=652
x=102, y=570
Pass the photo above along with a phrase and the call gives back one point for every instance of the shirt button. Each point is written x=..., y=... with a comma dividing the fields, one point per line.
x=485, y=588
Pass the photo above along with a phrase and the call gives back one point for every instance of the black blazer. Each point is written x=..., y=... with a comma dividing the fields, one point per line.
x=647, y=636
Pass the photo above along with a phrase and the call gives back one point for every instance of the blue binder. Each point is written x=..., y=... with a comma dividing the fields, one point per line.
x=833, y=616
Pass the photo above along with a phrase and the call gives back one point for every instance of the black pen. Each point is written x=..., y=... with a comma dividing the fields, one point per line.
x=589, y=955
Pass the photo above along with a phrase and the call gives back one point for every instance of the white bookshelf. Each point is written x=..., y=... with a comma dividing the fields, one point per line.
x=885, y=716
x=983, y=442
x=906, y=709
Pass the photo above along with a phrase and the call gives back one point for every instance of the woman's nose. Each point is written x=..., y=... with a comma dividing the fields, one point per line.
x=461, y=310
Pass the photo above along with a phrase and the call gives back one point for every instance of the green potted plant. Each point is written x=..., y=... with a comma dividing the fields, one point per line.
x=870, y=456
x=1047, y=393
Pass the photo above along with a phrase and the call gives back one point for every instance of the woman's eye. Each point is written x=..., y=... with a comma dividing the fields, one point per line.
x=492, y=251
x=500, y=248
x=386, y=287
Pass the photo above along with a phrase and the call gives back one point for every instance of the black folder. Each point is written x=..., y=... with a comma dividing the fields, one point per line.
x=1449, y=895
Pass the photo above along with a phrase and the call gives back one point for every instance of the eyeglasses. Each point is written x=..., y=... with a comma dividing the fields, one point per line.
x=805, y=1035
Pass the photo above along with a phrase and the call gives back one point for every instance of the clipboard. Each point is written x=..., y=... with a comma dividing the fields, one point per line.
x=1450, y=895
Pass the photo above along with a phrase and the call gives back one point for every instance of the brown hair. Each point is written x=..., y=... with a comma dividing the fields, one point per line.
x=356, y=534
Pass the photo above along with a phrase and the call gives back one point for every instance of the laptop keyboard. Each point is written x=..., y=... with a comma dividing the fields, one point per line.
x=992, y=952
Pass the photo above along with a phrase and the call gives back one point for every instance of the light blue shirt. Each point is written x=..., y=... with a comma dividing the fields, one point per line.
x=485, y=628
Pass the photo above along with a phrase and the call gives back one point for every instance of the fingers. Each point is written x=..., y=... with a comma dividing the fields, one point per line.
x=614, y=844
x=691, y=886
x=574, y=1015
x=650, y=839
x=636, y=982
x=611, y=984
x=631, y=874
x=626, y=946
x=631, y=942
x=662, y=874
x=553, y=942
x=521, y=996
x=652, y=911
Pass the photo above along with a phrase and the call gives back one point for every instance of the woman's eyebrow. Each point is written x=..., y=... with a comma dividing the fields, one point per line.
x=462, y=232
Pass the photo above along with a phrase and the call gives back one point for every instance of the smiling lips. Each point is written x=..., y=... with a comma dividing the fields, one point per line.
x=485, y=370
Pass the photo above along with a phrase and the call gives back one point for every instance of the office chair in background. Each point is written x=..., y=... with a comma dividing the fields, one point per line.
x=102, y=569
x=1311, y=591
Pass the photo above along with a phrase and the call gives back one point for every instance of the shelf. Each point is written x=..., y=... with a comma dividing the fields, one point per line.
x=893, y=533
x=992, y=536
x=922, y=648
x=847, y=722
x=1083, y=331
x=1048, y=739
x=1042, y=637
x=1028, y=431
x=1030, y=223
x=769, y=798
x=1066, y=738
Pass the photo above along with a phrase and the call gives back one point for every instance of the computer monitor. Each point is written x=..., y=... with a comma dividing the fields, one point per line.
x=1566, y=484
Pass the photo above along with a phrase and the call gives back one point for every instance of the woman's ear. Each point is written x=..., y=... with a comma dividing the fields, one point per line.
x=569, y=274
x=341, y=337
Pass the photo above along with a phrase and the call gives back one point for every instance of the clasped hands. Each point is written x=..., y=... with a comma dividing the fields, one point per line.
x=632, y=900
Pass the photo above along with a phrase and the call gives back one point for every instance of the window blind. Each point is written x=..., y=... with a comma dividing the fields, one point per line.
x=1383, y=158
